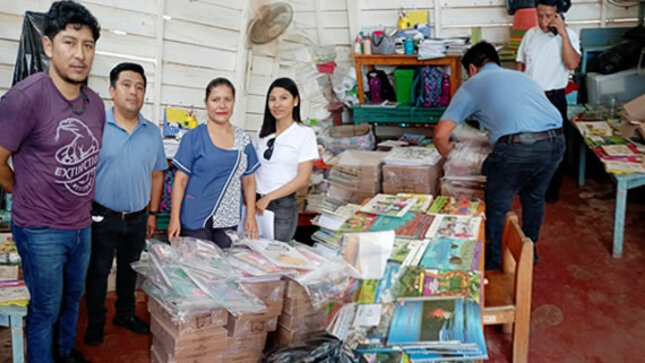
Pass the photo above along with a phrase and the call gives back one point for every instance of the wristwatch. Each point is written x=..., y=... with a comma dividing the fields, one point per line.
x=151, y=213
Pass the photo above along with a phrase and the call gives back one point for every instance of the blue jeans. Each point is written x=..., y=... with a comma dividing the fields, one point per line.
x=518, y=168
x=54, y=262
x=285, y=221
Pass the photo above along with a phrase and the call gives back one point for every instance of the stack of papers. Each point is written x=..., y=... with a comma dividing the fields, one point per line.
x=412, y=156
x=432, y=48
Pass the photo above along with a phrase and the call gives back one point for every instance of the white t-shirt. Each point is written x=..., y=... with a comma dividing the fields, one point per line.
x=542, y=54
x=295, y=145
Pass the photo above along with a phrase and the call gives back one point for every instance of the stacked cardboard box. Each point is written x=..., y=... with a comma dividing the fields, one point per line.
x=198, y=338
x=356, y=176
x=299, y=318
x=421, y=179
x=217, y=336
x=247, y=334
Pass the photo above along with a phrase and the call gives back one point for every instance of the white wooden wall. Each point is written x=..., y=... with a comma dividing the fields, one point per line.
x=456, y=17
x=184, y=43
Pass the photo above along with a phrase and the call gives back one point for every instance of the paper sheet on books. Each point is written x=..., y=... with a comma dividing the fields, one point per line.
x=264, y=221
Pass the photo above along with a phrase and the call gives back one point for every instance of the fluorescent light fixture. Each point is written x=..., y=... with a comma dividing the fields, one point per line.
x=119, y=32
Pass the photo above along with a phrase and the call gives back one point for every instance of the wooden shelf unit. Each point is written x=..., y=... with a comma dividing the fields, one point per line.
x=452, y=61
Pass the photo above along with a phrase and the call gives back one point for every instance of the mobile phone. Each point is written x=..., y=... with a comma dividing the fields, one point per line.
x=553, y=29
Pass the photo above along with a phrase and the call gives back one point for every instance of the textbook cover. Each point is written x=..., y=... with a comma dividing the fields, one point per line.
x=389, y=205
x=452, y=254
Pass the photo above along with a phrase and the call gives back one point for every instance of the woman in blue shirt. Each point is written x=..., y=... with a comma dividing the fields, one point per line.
x=215, y=164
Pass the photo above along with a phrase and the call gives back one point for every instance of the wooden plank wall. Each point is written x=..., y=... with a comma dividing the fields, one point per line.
x=203, y=39
x=456, y=17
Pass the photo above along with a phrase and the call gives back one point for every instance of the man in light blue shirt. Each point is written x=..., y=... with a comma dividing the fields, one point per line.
x=526, y=131
x=129, y=183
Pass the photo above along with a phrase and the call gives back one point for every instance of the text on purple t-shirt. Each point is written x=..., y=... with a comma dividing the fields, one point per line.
x=55, y=152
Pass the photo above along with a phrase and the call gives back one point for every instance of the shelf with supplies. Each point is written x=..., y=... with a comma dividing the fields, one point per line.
x=401, y=113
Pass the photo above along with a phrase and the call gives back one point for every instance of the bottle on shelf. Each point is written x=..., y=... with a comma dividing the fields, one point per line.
x=357, y=46
x=444, y=99
x=367, y=45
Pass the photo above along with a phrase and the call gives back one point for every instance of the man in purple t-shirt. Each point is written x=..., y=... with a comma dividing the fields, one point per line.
x=51, y=124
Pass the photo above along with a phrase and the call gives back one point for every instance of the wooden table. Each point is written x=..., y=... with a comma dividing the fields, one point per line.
x=452, y=61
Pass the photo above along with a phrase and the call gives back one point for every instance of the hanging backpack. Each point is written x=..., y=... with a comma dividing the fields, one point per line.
x=380, y=87
x=426, y=88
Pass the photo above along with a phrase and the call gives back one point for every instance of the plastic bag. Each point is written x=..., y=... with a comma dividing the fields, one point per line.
x=31, y=55
x=320, y=348
x=331, y=281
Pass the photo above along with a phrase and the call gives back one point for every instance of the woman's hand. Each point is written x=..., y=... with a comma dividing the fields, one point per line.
x=262, y=204
x=251, y=227
x=174, y=229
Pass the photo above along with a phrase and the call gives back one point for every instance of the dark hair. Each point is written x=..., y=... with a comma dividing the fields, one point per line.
x=480, y=54
x=63, y=13
x=268, y=125
x=548, y=2
x=219, y=81
x=126, y=66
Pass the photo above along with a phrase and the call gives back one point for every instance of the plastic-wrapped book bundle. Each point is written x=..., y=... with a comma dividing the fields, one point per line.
x=208, y=305
x=463, y=170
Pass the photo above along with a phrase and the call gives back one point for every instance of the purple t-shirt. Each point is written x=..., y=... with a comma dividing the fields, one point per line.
x=55, y=152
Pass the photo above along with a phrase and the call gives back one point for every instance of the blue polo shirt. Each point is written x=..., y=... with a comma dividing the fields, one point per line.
x=504, y=102
x=214, y=188
x=126, y=162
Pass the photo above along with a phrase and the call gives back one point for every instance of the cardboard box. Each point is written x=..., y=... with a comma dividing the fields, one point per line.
x=294, y=290
x=202, y=342
x=287, y=337
x=298, y=307
x=214, y=318
x=635, y=109
x=246, y=343
x=272, y=323
x=248, y=324
x=246, y=357
x=306, y=323
x=158, y=355
x=271, y=291
x=411, y=179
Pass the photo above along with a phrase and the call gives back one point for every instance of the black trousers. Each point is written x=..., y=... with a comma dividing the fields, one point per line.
x=126, y=239
x=559, y=100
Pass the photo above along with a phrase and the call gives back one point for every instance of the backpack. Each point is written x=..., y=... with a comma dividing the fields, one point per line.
x=380, y=87
x=426, y=88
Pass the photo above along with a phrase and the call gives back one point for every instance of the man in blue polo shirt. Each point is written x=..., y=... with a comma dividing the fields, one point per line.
x=526, y=131
x=129, y=183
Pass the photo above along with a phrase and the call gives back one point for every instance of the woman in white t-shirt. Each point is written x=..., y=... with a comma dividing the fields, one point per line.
x=287, y=151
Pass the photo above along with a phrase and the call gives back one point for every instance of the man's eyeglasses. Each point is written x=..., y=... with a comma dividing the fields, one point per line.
x=269, y=151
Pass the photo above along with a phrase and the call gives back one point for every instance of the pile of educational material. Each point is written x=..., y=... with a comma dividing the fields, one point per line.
x=463, y=175
x=404, y=277
x=356, y=176
x=421, y=297
x=412, y=169
x=13, y=290
x=618, y=154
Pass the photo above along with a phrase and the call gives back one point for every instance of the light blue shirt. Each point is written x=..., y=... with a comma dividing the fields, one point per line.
x=504, y=102
x=126, y=162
